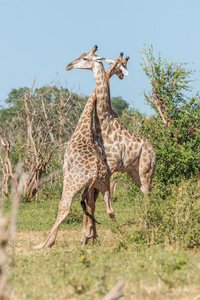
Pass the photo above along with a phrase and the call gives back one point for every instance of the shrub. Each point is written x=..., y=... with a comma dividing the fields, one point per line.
x=174, y=219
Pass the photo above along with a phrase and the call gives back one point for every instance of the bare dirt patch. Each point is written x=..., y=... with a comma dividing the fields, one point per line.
x=69, y=238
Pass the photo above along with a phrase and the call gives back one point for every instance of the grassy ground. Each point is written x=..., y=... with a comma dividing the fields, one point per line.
x=67, y=271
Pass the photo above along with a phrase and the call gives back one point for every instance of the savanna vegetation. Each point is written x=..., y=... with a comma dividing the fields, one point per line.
x=152, y=251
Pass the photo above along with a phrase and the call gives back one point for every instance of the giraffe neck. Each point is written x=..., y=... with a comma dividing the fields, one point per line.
x=102, y=92
x=111, y=71
x=103, y=99
x=86, y=116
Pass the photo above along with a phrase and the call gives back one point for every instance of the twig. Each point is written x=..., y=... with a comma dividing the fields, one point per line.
x=143, y=54
x=116, y=291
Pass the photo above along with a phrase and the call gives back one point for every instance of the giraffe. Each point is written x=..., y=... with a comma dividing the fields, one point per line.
x=125, y=151
x=119, y=68
x=84, y=165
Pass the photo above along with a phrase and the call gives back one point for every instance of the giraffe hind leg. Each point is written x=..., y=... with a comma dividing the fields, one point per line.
x=83, y=204
x=69, y=191
x=89, y=208
x=143, y=181
x=96, y=193
x=50, y=238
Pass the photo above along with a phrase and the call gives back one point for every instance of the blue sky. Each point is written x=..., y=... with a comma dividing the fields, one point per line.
x=39, y=38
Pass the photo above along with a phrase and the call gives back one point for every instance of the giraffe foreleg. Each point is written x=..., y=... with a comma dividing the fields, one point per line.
x=107, y=199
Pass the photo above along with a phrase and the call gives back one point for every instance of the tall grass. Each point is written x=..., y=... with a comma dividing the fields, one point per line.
x=171, y=219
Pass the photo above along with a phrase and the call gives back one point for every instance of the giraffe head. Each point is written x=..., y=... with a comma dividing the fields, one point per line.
x=119, y=66
x=86, y=60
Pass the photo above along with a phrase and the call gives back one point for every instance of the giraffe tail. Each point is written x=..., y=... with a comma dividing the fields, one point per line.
x=87, y=213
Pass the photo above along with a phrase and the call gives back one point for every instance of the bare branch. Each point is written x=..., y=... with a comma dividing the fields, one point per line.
x=116, y=292
x=7, y=166
x=143, y=54
x=47, y=121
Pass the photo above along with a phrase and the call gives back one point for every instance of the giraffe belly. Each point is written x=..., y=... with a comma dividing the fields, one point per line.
x=102, y=185
x=112, y=153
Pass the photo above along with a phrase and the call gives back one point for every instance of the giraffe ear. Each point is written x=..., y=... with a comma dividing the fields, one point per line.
x=98, y=58
x=110, y=61
x=124, y=71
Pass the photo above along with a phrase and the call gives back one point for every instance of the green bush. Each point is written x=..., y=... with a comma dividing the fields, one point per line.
x=174, y=129
x=174, y=219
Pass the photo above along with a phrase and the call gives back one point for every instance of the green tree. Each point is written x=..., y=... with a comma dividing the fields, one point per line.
x=16, y=95
x=132, y=119
x=118, y=105
x=174, y=130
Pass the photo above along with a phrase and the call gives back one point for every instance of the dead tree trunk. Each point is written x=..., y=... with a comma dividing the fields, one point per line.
x=7, y=167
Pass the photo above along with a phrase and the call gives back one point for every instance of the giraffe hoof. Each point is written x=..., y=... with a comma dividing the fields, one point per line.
x=85, y=239
x=112, y=216
x=49, y=245
x=84, y=242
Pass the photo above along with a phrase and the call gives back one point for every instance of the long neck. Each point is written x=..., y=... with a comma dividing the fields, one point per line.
x=86, y=116
x=111, y=71
x=102, y=92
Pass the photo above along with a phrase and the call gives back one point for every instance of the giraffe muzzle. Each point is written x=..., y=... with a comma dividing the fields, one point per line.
x=69, y=67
